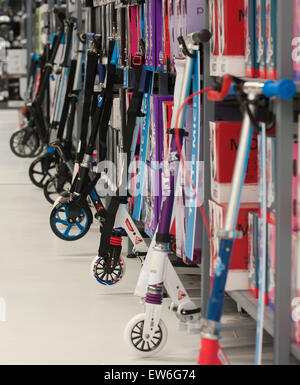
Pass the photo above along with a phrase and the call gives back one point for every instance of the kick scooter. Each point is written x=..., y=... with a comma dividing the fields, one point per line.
x=25, y=142
x=71, y=216
x=61, y=182
x=248, y=94
x=146, y=333
x=43, y=167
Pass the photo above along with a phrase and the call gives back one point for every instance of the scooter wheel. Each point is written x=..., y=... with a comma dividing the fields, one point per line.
x=24, y=143
x=63, y=229
x=141, y=346
x=105, y=274
x=41, y=170
x=56, y=187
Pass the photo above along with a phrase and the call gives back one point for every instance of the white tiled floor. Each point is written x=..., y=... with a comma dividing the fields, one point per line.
x=56, y=313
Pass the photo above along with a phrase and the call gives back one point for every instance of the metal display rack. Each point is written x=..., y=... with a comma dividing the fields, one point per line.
x=277, y=323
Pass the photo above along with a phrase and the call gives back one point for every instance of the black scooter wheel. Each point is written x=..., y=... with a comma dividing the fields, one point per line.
x=42, y=169
x=57, y=186
x=25, y=144
x=63, y=229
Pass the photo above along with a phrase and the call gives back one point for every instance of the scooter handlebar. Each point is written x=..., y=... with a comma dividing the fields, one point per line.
x=285, y=89
x=91, y=36
x=202, y=36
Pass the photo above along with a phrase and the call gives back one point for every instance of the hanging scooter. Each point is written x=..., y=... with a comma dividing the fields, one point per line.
x=248, y=94
x=108, y=266
x=43, y=167
x=146, y=333
x=25, y=142
x=61, y=182
x=71, y=217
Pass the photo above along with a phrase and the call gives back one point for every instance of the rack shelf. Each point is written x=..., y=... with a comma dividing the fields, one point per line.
x=249, y=304
x=296, y=351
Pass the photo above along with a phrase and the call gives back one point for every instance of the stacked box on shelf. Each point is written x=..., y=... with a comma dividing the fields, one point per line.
x=156, y=156
x=238, y=271
x=250, y=39
x=271, y=214
x=182, y=205
x=224, y=137
x=228, y=37
x=271, y=39
x=253, y=253
x=244, y=38
x=261, y=38
x=295, y=306
x=296, y=53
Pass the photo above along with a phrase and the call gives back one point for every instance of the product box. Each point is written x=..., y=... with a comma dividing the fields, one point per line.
x=253, y=253
x=238, y=276
x=224, y=137
x=159, y=33
x=271, y=173
x=294, y=187
x=193, y=16
x=172, y=31
x=295, y=308
x=166, y=36
x=214, y=41
x=250, y=39
x=296, y=53
x=133, y=31
x=231, y=30
x=156, y=156
x=271, y=39
x=261, y=38
x=271, y=267
x=167, y=123
x=16, y=61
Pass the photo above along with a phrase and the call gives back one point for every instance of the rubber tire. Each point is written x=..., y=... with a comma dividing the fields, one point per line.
x=59, y=235
x=58, y=193
x=18, y=154
x=128, y=331
x=103, y=283
x=31, y=173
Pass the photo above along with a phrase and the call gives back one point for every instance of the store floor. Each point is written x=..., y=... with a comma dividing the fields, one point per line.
x=55, y=312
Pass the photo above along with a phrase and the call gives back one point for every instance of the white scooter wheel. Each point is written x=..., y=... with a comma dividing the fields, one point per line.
x=133, y=336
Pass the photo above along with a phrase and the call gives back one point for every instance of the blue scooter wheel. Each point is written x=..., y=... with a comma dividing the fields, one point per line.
x=63, y=229
x=105, y=274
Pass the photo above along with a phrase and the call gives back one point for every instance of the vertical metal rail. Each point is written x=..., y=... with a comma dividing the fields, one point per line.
x=208, y=115
x=284, y=119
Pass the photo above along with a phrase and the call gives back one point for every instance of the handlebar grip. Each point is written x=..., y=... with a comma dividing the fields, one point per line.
x=285, y=89
x=101, y=73
x=35, y=57
x=202, y=36
x=115, y=55
x=89, y=36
